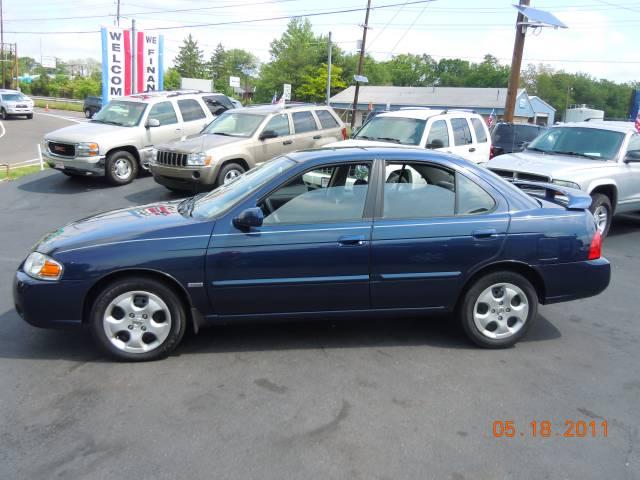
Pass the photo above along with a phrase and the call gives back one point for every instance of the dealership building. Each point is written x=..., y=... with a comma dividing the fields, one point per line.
x=482, y=100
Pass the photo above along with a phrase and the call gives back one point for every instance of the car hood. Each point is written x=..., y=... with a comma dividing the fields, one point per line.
x=551, y=165
x=200, y=143
x=153, y=221
x=88, y=132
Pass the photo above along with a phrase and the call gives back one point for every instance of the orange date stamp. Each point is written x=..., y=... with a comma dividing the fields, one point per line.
x=547, y=429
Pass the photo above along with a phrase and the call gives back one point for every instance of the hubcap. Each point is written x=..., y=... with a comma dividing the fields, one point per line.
x=500, y=311
x=137, y=322
x=122, y=168
x=601, y=216
x=231, y=176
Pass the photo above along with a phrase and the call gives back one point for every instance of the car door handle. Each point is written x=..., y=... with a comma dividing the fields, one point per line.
x=287, y=142
x=472, y=149
x=178, y=130
x=351, y=241
x=317, y=137
x=484, y=233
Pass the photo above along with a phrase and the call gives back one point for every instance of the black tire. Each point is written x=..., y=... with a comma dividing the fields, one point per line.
x=600, y=200
x=114, y=162
x=29, y=116
x=227, y=169
x=3, y=114
x=120, y=287
x=88, y=113
x=466, y=309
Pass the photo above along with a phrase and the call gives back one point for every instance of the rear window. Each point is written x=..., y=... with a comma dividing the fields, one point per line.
x=190, y=110
x=304, y=122
x=478, y=127
x=326, y=119
x=515, y=134
x=407, y=131
x=461, y=131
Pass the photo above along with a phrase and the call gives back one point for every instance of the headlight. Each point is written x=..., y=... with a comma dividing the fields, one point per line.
x=154, y=155
x=200, y=159
x=564, y=183
x=87, y=149
x=42, y=267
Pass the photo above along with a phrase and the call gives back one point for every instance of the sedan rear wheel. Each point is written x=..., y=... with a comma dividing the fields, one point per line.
x=498, y=309
x=138, y=319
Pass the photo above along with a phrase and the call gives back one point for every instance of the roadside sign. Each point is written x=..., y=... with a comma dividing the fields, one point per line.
x=48, y=62
x=286, y=91
x=234, y=82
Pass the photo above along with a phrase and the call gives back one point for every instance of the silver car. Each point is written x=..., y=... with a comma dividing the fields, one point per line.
x=14, y=103
x=601, y=158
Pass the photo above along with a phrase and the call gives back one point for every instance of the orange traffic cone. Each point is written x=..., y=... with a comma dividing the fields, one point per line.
x=46, y=107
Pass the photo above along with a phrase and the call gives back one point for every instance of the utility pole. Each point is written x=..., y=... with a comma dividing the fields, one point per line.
x=2, y=58
x=329, y=72
x=516, y=65
x=134, y=63
x=360, y=62
x=118, y=14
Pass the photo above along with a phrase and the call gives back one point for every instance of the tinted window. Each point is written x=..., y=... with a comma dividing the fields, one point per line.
x=304, y=122
x=164, y=113
x=279, y=124
x=526, y=133
x=461, y=132
x=190, y=110
x=326, y=119
x=407, y=131
x=634, y=144
x=328, y=194
x=438, y=135
x=584, y=141
x=472, y=198
x=481, y=133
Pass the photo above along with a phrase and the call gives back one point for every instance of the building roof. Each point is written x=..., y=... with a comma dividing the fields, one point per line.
x=427, y=96
x=535, y=98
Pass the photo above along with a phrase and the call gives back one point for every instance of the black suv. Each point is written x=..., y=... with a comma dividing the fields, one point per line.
x=512, y=137
x=91, y=106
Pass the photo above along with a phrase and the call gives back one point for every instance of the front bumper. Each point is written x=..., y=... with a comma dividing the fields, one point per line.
x=19, y=111
x=48, y=304
x=571, y=281
x=185, y=178
x=86, y=165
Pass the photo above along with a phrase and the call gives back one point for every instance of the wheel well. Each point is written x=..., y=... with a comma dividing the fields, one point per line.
x=240, y=161
x=121, y=274
x=610, y=191
x=127, y=148
x=525, y=270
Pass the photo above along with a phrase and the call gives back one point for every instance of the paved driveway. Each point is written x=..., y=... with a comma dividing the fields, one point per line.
x=355, y=400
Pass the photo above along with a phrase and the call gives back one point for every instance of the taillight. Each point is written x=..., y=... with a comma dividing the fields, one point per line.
x=344, y=133
x=595, y=249
x=491, y=153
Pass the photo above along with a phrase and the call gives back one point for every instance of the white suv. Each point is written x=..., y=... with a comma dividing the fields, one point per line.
x=15, y=103
x=463, y=133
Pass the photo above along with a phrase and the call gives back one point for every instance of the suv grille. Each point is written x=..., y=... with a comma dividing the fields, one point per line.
x=511, y=176
x=62, y=149
x=173, y=159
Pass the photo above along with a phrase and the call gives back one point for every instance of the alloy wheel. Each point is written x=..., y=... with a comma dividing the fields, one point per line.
x=601, y=216
x=231, y=175
x=122, y=169
x=500, y=311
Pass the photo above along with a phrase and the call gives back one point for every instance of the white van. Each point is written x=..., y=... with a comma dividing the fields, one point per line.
x=463, y=133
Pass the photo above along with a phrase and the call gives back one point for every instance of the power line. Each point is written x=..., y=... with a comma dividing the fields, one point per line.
x=404, y=34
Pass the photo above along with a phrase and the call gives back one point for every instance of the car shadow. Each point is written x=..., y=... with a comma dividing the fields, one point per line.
x=436, y=332
x=58, y=183
x=624, y=224
x=156, y=193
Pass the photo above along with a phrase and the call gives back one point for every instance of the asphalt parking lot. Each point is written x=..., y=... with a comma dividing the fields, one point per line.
x=360, y=400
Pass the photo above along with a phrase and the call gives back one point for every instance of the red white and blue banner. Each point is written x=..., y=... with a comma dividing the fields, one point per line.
x=117, y=63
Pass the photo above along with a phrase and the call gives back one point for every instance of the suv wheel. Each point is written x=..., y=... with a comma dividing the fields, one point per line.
x=29, y=116
x=602, y=212
x=138, y=319
x=121, y=168
x=87, y=113
x=3, y=114
x=498, y=309
x=229, y=173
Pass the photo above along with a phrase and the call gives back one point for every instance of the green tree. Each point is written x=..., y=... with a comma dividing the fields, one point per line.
x=314, y=83
x=172, y=79
x=189, y=61
x=216, y=68
x=413, y=70
x=378, y=73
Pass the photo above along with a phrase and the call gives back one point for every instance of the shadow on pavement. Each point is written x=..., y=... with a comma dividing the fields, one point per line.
x=59, y=183
x=154, y=194
x=624, y=224
x=440, y=332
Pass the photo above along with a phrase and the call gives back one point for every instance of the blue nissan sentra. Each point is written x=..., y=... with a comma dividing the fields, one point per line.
x=336, y=232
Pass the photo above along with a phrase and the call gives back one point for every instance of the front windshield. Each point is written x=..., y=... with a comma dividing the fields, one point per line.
x=13, y=97
x=225, y=196
x=580, y=141
x=407, y=131
x=235, y=124
x=121, y=113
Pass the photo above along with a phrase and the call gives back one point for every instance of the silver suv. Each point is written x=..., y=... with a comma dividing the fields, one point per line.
x=14, y=103
x=600, y=158
x=240, y=139
x=117, y=142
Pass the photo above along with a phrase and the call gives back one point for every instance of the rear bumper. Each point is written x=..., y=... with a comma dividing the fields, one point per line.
x=572, y=281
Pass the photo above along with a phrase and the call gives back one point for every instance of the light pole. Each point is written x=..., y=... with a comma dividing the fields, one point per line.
x=566, y=106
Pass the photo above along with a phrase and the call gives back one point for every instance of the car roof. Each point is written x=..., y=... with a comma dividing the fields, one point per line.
x=623, y=127
x=267, y=108
x=150, y=97
x=7, y=90
x=424, y=113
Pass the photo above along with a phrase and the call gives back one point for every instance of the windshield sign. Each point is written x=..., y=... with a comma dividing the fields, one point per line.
x=121, y=113
x=406, y=131
x=235, y=124
x=580, y=142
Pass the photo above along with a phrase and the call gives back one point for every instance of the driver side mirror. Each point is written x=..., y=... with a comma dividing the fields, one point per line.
x=249, y=218
x=152, y=123
x=355, y=131
x=633, y=156
x=436, y=143
x=268, y=134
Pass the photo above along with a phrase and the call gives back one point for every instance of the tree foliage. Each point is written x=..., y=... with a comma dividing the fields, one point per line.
x=314, y=83
x=190, y=59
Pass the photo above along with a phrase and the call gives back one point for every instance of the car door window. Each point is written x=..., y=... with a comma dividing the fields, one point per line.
x=190, y=110
x=328, y=194
x=304, y=122
x=438, y=135
x=326, y=119
x=478, y=127
x=461, y=131
x=471, y=198
x=279, y=124
x=164, y=113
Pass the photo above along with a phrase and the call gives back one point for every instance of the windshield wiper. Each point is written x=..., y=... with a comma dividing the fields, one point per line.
x=578, y=154
x=223, y=133
x=186, y=206
x=389, y=139
x=357, y=137
x=109, y=122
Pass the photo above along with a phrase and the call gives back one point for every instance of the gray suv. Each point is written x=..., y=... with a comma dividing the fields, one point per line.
x=240, y=139
x=600, y=158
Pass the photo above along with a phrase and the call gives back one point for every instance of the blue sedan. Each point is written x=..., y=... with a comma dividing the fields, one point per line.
x=330, y=233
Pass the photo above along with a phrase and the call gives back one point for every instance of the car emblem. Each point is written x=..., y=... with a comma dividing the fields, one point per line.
x=59, y=148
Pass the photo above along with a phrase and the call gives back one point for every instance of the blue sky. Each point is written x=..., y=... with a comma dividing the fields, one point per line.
x=601, y=40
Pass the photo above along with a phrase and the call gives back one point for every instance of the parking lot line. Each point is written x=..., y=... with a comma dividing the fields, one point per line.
x=70, y=119
x=2, y=130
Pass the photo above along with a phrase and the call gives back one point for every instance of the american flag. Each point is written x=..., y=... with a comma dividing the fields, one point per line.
x=638, y=122
x=492, y=116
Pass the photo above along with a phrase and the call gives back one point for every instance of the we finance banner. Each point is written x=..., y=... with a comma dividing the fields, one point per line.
x=118, y=60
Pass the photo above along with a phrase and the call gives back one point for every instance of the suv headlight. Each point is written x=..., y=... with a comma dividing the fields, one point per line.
x=42, y=267
x=199, y=159
x=564, y=183
x=87, y=149
x=154, y=155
